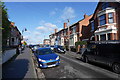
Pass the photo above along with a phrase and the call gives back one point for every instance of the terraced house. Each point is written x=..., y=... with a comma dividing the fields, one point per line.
x=76, y=33
x=105, y=23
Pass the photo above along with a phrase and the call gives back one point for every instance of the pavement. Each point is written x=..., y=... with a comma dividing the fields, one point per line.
x=20, y=67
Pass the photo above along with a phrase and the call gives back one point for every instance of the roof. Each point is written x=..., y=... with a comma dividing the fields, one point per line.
x=43, y=48
x=99, y=4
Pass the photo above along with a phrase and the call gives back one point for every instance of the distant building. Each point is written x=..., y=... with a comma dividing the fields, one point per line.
x=105, y=23
x=53, y=38
x=46, y=42
x=15, y=36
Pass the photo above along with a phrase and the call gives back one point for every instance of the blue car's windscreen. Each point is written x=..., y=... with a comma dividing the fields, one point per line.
x=45, y=51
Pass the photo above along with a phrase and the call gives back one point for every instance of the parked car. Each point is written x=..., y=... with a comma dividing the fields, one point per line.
x=46, y=58
x=22, y=47
x=35, y=47
x=80, y=54
x=104, y=53
x=46, y=45
x=59, y=49
x=52, y=47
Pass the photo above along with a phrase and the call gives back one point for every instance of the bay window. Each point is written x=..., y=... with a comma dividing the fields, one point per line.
x=110, y=18
x=92, y=26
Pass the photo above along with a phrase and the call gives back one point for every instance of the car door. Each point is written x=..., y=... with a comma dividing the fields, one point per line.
x=91, y=52
x=102, y=54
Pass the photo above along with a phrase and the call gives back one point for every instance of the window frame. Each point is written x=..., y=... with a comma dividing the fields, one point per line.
x=110, y=17
x=100, y=20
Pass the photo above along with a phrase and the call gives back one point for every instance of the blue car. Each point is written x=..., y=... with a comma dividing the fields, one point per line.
x=46, y=58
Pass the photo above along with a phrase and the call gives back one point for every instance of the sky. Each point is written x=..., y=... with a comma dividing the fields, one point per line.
x=41, y=18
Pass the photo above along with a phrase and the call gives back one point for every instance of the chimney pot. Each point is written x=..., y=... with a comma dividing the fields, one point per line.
x=55, y=30
x=85, y=16
x=65, y=25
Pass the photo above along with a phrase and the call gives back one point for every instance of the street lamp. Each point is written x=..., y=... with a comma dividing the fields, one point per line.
x=68, y=35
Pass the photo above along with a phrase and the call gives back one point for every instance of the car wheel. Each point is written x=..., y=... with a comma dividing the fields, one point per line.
x=116, y=67
x=86, y=59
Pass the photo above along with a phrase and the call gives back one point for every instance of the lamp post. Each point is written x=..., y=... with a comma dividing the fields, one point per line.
x=68, y=35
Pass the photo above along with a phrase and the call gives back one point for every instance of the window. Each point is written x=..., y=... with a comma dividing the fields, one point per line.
x=105, y=5
x=92, y=26
x=108, y=36
x=110, y=18
x=64, y=32
x=13, y=40
x=103, y=37
x=102, y=20
x=44, y=51
x=74, y=29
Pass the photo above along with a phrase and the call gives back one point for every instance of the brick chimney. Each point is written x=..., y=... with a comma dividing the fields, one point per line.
x=12, y=23
x=85, y=16
x=55, y=30
x=65, y=25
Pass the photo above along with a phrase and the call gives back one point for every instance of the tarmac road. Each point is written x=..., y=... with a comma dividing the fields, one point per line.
x=73, y=68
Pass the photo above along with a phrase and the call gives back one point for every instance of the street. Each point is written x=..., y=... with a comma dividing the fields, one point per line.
x=20, y=67
x=23, y=67
x=90, y=30
x=73, y=68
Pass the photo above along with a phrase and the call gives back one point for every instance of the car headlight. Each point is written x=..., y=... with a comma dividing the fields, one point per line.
x=59, y=49
x=57, y=58
x=42, y=60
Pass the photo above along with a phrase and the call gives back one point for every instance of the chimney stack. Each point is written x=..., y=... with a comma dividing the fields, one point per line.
x=55, y=30
x=12, y=23
x=85, y=16
x=65, y=25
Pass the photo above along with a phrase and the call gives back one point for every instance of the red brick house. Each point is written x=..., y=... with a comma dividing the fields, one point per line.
x=78, y=31
x=105, y=23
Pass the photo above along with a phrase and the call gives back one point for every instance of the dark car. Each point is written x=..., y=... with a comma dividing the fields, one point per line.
x=52, y=47
x=22, y=47
x=107, y=53
x=35, y=48
x=46, y=58
x=80, y=54
x=59, y=49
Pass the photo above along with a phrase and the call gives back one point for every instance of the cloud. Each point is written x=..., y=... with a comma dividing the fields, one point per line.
x=52, y=13
x=68, y=12
x=41, y=28
x=28, y=31
x=37, y=33
x=47, y=27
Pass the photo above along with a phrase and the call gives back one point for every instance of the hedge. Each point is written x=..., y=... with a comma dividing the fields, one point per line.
x=80, y=43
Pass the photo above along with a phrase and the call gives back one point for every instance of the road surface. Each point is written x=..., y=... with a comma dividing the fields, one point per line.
x=73, y=68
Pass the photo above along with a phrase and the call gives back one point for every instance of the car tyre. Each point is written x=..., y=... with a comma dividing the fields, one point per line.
x=116, y=67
